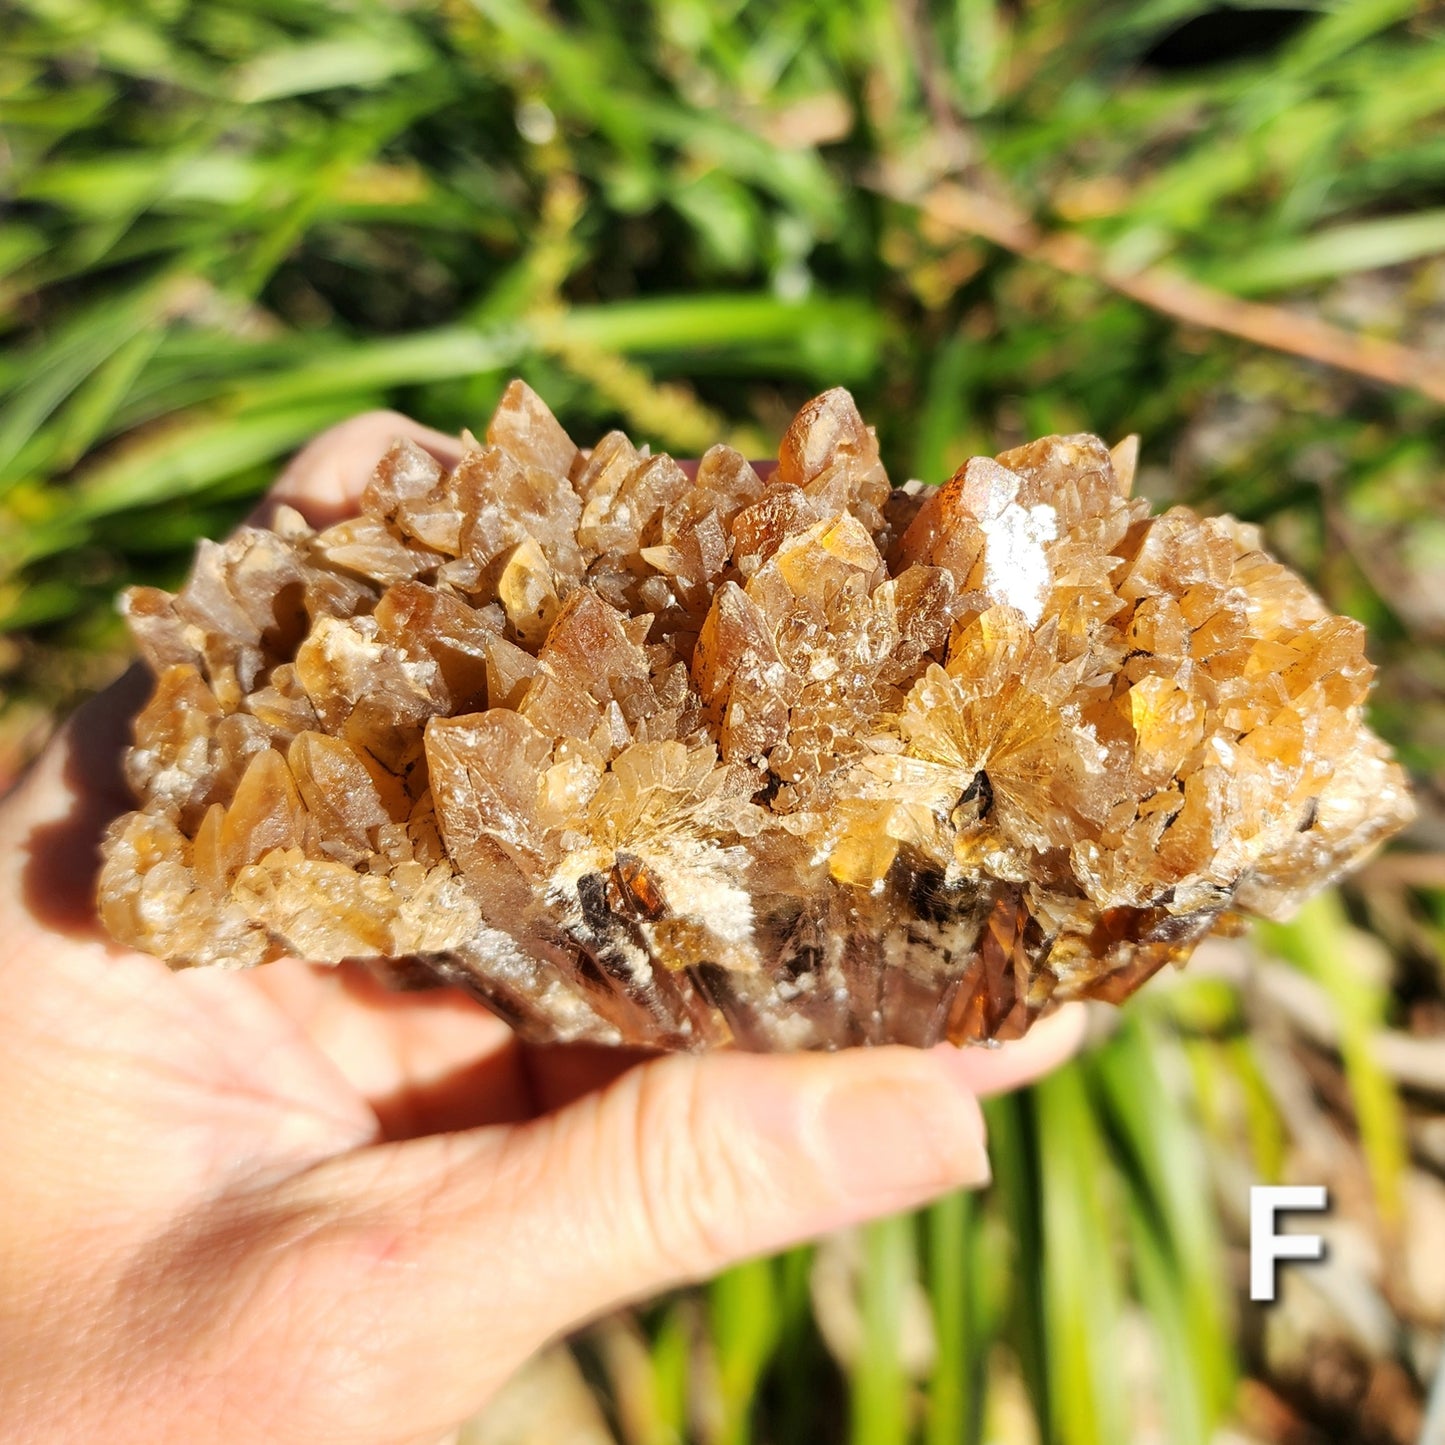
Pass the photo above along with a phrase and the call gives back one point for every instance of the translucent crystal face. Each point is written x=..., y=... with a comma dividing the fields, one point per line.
x=800, y=762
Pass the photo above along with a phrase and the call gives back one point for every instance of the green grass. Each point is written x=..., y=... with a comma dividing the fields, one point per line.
x=231, y=222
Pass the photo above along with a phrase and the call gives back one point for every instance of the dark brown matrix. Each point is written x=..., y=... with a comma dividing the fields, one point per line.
x=789, y=763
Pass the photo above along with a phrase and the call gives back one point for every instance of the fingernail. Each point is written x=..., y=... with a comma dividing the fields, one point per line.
x=902, y=1131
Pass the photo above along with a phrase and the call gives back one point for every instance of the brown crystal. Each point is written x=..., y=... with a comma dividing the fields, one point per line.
x=800, y=762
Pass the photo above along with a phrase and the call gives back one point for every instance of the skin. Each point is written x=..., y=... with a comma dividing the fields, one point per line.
x=289, y=1205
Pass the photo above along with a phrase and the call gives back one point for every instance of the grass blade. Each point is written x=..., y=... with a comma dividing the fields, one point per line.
x=1342, y=251
x=1082, y=1286
x=879, y=1385
x=1323, y=943
x=362, y=61
x=1176, y=1248
x=952, y=1227
x=742, y=1310
x=57, y=369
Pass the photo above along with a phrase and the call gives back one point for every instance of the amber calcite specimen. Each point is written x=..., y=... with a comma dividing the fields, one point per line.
x=684, y=757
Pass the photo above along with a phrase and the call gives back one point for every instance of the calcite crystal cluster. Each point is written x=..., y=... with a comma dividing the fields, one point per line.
x=683, y=757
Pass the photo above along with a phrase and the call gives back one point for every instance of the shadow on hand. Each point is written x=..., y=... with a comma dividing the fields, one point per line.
x=508, y=1086
x=58, y=882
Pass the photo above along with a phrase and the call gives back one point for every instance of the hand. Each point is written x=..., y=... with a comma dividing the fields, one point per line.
x=288, y=1205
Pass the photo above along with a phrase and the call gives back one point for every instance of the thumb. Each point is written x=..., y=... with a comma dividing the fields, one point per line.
x=476, y=1248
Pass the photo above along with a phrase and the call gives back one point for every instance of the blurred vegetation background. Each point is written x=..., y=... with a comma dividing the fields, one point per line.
x=229, y=223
